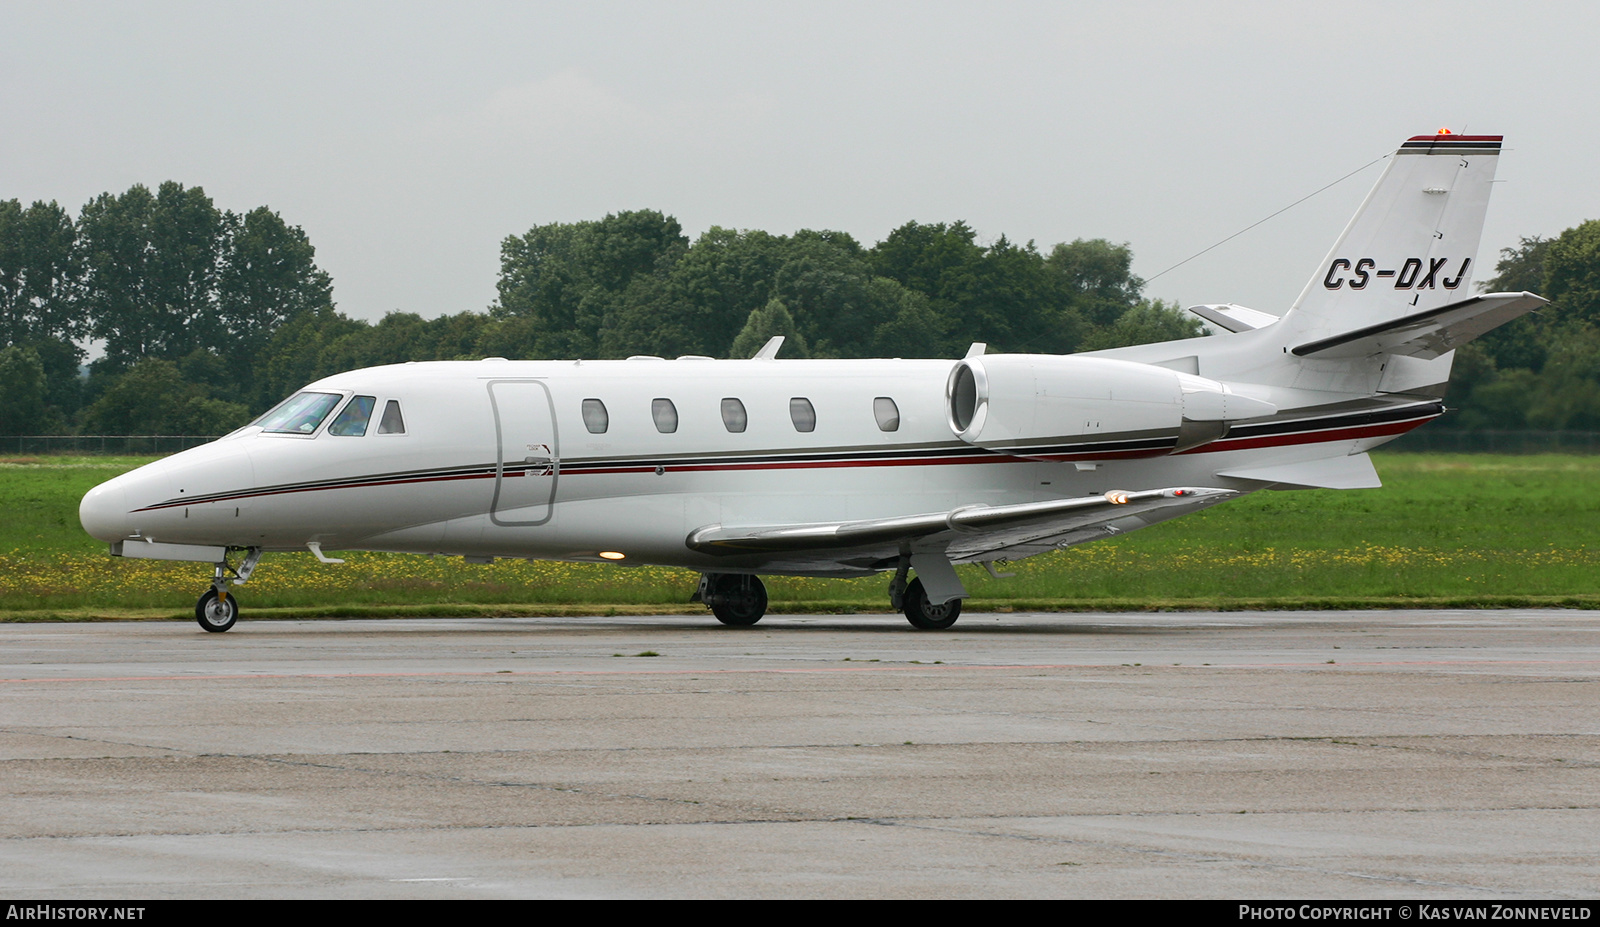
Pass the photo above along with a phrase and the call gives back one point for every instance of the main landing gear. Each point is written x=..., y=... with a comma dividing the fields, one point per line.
x=218, y=609
x=737, y=599
x=740, y=600
x=923, y=614
x=912, y=599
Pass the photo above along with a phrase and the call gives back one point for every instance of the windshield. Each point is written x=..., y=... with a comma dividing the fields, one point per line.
x=300, y=414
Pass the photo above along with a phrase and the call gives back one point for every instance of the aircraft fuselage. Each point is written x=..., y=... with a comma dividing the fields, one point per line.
x=497, y=460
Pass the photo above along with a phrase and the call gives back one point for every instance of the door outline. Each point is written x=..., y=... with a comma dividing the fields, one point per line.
x=533, y=464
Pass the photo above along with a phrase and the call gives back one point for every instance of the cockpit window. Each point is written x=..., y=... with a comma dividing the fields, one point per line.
x=300, y=414
x=391, y=423
x=351, y=422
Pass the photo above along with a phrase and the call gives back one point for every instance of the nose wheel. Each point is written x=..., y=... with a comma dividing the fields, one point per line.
x=216, y=613
x=218, y=609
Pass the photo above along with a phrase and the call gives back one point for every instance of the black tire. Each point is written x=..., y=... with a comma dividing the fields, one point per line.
x=742, y=599
x=216, y=616
x=926, y=616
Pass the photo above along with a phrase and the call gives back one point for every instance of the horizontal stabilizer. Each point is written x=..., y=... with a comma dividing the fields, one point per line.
x=965, y=521
x=1430, y=333
x=1353, y=472
x=1233, y=318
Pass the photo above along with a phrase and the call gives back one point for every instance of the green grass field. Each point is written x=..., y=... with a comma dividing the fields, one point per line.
x=1446, y=530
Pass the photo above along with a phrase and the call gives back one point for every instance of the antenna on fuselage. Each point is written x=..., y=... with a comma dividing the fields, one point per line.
x=769, y=351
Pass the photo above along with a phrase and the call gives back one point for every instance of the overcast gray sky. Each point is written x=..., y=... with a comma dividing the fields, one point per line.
x=408, y=139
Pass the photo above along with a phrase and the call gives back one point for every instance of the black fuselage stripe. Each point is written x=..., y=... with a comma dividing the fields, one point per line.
x=1347, y=420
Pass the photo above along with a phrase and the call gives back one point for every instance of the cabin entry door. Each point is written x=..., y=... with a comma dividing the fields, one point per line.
x=529, y=461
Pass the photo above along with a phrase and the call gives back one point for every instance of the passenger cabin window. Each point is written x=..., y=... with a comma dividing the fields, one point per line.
x=300, y=414
x=665, y=414
x=733, y=415
x=392, y=423
x=594, y=416
x=802, y=414
x=351, y=422
x=887, y=414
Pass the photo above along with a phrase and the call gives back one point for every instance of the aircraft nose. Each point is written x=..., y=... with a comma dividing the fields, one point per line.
x=104, y=512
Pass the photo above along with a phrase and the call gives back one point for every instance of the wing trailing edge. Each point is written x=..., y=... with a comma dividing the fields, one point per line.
x=969, y=521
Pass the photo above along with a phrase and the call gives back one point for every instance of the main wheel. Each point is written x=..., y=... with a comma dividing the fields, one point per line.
x=216, y=614
x=740, y=600
x=926, y=616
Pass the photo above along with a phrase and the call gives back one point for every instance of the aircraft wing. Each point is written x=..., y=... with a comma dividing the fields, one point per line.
x=968, y=533
x=1430, y=333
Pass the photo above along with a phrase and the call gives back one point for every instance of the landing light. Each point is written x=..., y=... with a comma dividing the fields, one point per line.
x=612, y=555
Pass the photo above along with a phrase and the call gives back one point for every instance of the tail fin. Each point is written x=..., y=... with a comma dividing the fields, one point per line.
x=1411, y=246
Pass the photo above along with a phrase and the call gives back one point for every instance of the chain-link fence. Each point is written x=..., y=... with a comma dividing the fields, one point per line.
x=1443, y=440
x=112, y=445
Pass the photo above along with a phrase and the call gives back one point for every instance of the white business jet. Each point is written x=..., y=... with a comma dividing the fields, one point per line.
x=737, y=468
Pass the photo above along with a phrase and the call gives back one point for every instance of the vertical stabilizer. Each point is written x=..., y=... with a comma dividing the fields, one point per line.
x=1412, y=245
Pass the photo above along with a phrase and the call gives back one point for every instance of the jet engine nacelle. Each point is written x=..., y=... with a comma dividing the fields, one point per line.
x=1017, y=402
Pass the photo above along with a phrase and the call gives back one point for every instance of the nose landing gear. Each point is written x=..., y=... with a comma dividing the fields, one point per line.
x=218, y=609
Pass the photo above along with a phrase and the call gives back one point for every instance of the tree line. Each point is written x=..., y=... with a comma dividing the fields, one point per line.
x=1543, y=370
x=207, y=317
x=184, y=298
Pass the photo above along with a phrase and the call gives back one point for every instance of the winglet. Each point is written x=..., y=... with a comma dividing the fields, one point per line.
x=769, y=351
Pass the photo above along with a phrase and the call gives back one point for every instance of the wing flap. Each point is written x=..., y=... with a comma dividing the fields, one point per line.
x=970, y=523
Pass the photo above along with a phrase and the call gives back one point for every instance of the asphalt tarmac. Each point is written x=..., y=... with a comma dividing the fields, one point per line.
x=1404, y=754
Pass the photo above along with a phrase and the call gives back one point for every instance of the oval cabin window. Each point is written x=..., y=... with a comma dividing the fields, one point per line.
x=733, y=416
x=594, y=416
x=665, y=414
x=887, y=414
x=803, y=414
